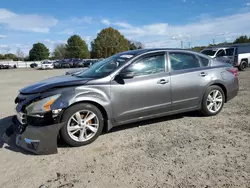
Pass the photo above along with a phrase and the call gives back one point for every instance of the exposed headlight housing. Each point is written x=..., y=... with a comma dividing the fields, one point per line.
x=42, y=106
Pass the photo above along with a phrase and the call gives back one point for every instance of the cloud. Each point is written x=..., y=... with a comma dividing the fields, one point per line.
x=123, y=24
x=247, y=4
x=52, y=42
x=85, y=19
x=26, y=22
x=3, y=46
x=118, y=24
x=86, y=38
x=67, y=32
x=105, y=22
x=2, y=36
x=205, y=29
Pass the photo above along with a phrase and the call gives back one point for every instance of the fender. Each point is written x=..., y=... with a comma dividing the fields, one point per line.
x=215, y=82
x=94, y=95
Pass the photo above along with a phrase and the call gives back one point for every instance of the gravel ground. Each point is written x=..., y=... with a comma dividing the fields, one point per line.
x=177, y=151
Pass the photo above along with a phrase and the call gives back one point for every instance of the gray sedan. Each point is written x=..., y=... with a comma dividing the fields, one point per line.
x=124, y=88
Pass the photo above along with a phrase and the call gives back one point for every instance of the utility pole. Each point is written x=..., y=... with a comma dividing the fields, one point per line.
x=181, y=44
x=213, y=41
x=189, y=45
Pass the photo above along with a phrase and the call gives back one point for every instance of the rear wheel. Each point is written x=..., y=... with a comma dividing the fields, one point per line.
x=243, y=65
x=213, y=101
x=83, y=124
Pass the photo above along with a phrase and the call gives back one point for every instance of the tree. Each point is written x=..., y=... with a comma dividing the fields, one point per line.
x=198, y=48
x=108, y=42
x=134, y=45
x=59, y=51
x=242, y=39
x=10, y=56
x=2, y=56
x=76, y=48
x=38, y=52
x=20, y=54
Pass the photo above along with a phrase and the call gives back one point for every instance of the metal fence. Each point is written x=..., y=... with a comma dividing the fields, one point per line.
x=26, y=64
x=20, y=64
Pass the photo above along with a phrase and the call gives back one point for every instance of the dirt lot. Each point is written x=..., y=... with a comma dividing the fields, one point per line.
x=179, y=151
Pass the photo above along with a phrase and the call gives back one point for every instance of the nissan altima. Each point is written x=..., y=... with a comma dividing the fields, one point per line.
x=124, y=88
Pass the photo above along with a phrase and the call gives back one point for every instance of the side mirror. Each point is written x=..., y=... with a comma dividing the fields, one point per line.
x=127, y=75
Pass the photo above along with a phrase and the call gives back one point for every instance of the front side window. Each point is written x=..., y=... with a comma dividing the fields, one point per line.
x=220, y=53
x=147, y=65
x=182, y=61
x=209, y=52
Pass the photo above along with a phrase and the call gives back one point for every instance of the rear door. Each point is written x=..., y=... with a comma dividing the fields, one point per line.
x=188, y=80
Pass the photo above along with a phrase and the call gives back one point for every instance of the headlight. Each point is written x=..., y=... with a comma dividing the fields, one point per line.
x=42, y=105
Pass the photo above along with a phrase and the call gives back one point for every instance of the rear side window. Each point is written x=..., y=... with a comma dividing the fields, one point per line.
x=182, y=61
x=230, y=52
x=204, y=61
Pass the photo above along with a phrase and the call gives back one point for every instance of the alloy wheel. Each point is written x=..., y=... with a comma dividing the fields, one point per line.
x=83, y=125
x=214, y=101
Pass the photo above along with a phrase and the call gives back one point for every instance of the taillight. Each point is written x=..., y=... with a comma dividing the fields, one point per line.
x=234, y=71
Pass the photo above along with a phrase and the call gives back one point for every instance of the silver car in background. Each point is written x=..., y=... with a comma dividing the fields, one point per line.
x=124, y=88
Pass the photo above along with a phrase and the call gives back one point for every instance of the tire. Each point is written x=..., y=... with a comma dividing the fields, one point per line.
x=243, y=65
x=69, y=113
x=206, y=101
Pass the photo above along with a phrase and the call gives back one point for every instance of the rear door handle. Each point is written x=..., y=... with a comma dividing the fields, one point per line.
x=203, y=74
x=162, y=81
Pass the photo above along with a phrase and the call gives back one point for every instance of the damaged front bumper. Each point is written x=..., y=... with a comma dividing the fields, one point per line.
x=40, y=140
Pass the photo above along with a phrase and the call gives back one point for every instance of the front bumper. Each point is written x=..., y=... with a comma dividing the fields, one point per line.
x=40, y=140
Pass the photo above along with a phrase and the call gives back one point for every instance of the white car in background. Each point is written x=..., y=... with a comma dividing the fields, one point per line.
x=237, y=54
x=47, y=65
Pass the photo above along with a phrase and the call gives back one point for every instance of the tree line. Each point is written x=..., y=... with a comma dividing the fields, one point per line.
x=109, y=41
x=239, y=40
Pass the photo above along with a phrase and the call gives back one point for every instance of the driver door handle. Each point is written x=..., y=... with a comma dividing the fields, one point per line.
x=162, y=81
x=203, y=74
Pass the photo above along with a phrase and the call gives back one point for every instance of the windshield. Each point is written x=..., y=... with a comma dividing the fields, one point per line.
x=209, y=52
x=105, y=67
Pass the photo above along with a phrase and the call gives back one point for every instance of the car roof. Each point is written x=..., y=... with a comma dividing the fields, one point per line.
x=142, y=51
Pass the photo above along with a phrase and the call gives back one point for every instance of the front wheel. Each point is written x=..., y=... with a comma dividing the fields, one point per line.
x=213, y=101
x=83, y=124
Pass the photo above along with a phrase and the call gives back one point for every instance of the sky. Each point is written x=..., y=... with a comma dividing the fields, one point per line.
x=161, y=23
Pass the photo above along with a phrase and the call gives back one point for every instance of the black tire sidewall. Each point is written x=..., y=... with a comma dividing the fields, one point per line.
x=241, y=65
x=204, y=108
x=72, y=110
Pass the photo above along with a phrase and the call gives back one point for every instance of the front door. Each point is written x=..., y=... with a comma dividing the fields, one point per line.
x=146, y=94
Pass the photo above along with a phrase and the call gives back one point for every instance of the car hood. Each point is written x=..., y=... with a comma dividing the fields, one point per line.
x=76, y=70
x=54, y=82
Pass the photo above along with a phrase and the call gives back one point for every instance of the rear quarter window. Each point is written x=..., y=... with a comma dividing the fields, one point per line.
x=204, y=61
